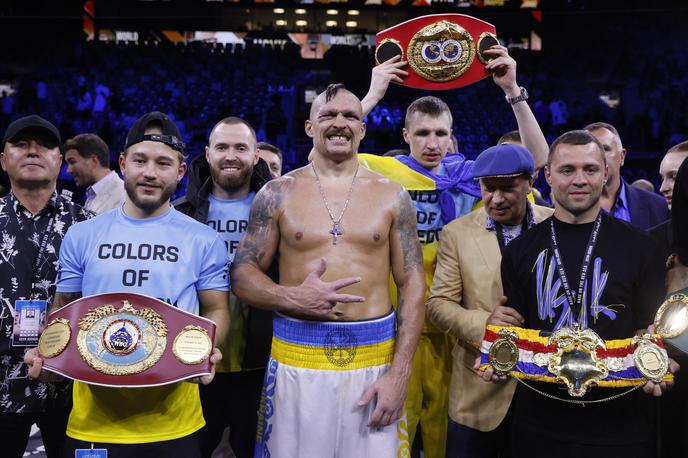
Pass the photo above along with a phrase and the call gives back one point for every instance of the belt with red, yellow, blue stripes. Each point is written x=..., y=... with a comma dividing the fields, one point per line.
x=576, y=357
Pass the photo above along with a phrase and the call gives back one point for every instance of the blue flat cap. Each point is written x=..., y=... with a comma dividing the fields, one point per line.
x=506, y=160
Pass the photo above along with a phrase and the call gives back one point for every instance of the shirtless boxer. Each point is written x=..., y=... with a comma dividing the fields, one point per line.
x=336, y=381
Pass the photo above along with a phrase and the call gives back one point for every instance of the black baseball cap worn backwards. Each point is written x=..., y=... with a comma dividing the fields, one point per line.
x=33, y=122
x=170, y=133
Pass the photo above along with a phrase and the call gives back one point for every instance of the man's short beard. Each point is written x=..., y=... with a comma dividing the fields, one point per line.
x=149, y=206
x=230, y=183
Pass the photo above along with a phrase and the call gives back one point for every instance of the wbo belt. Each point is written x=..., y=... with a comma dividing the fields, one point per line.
x=578, y=358
x=126, y=340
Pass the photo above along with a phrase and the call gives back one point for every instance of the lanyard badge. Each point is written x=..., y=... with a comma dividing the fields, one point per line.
x=30, y=315
x=29, y=321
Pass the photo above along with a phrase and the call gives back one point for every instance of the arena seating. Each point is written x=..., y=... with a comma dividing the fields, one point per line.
x=102, y=87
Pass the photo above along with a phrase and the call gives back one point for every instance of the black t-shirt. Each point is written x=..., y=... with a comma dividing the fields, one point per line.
x=624, y=287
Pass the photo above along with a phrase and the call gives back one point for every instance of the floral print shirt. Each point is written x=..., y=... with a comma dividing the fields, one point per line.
x=21, y=235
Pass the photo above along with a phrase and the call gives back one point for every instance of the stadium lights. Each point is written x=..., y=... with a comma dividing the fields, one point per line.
x=301, y=23
x=300, y=11
x=351, y=23
x=332, y=12
x=278, y=11
x=331, y=23
x=281, y=23
x=353, y=12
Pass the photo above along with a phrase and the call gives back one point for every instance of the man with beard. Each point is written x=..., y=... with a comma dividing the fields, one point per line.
x=187, y=269
x=341, y=357
x=618, y=278
x=221, y=187
x=88, y=161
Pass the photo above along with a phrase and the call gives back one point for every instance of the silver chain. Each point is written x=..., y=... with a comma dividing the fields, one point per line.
x=324, y=199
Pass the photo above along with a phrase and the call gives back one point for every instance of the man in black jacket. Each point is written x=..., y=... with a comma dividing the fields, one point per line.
x=219, y=193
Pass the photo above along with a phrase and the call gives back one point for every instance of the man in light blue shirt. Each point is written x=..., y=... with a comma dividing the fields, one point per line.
x=144, y=247
x=221, y=187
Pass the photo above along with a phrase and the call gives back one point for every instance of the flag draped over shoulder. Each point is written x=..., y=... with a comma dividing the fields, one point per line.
x=460, y=194
x=453, y=186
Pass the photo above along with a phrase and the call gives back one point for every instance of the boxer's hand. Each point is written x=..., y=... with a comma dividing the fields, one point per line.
x=34, y=361
x=215, y=357
x=389, y=393
x=505, y=316
x=503, y=69
x=317, y=297
x=488, y=374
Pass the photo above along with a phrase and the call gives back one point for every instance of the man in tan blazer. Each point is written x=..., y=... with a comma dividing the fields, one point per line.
x=467, y=289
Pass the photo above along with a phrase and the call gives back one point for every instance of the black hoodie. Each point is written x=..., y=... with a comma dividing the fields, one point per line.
x=195, y=204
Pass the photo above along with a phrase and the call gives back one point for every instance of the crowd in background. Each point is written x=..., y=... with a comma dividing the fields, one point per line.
x=102, y=87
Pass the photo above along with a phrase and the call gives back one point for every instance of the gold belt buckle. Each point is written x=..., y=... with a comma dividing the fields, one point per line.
x=575, y=362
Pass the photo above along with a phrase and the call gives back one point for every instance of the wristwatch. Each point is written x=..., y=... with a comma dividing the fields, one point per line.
x=519, y=98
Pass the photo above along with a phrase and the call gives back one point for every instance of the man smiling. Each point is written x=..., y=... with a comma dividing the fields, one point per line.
x=221, y=188
x=157, y=421
x=602, y=274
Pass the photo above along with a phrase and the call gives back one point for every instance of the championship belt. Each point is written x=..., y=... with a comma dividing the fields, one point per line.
x=126, y=340
x=575, y=357
x=444, y=51
x=671, y=320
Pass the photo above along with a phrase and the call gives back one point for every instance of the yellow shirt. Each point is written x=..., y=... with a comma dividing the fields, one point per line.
x=134, y=415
